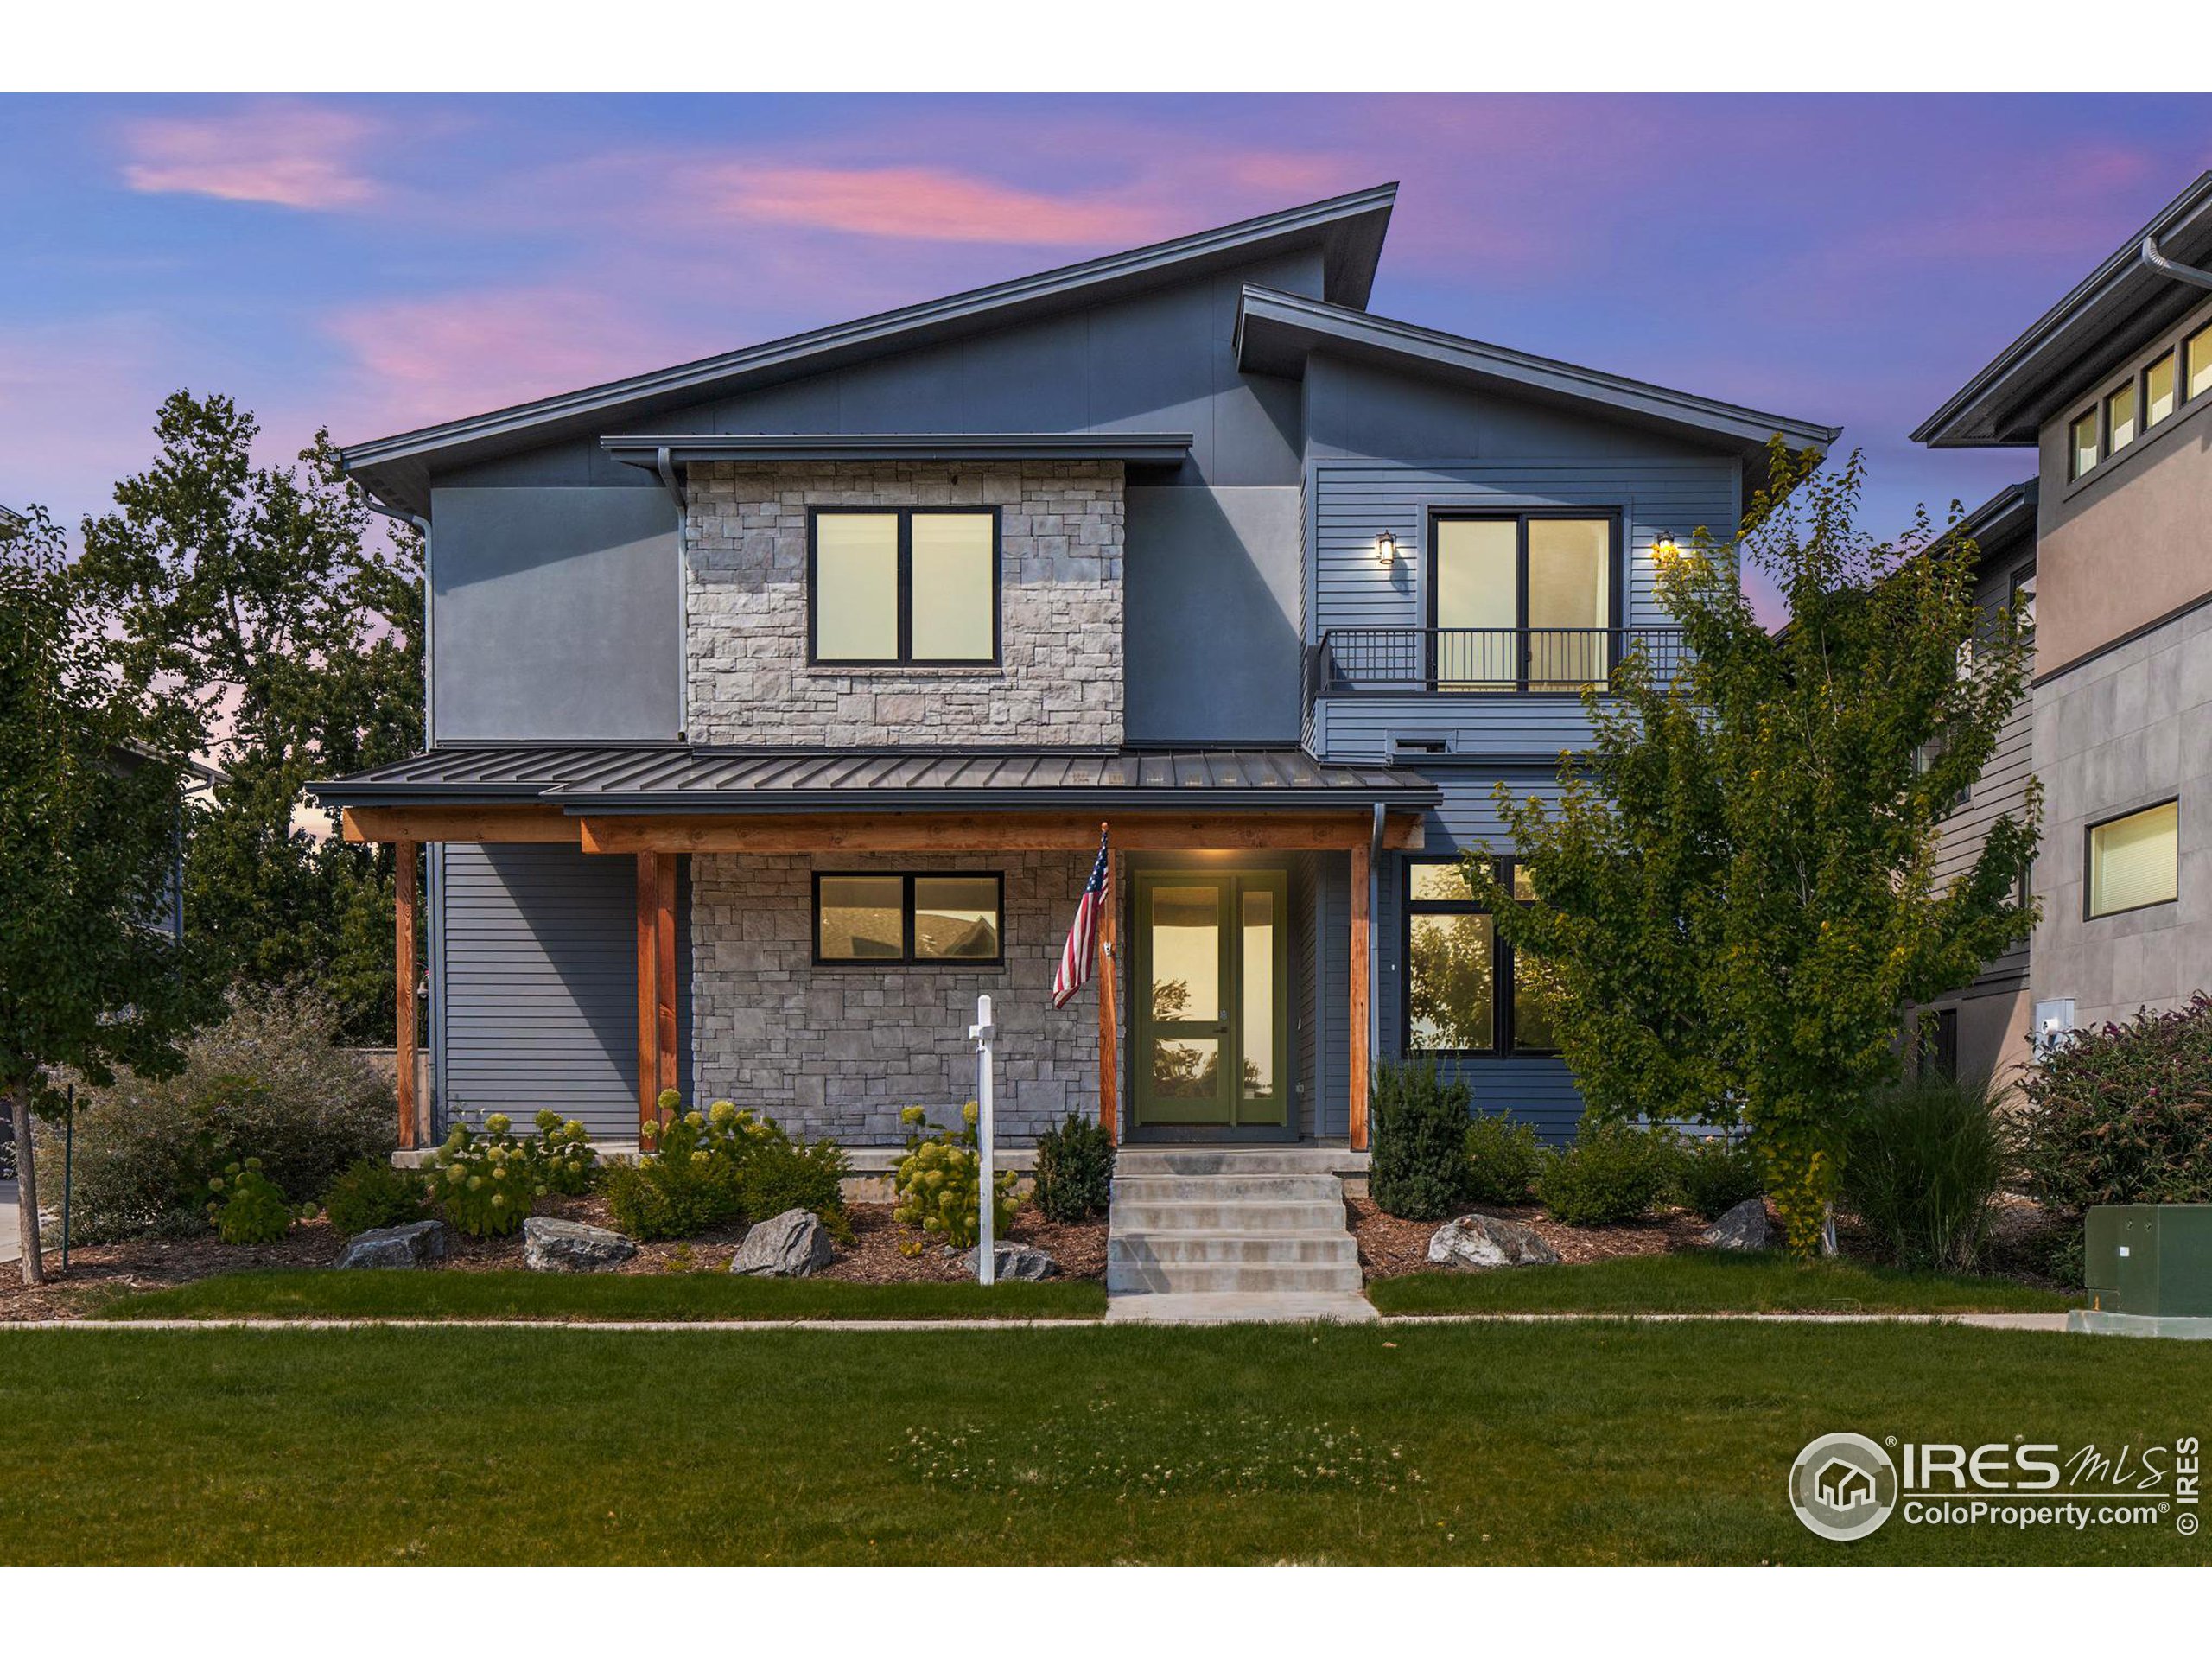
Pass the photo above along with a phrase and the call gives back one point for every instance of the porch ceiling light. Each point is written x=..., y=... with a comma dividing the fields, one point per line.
x=1386, y=550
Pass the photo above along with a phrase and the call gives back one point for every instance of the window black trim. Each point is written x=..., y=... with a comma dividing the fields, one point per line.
x=905, y=658
x=906, y=958
x=1504, y=1036
x=2089, y=853
x=1616, y=583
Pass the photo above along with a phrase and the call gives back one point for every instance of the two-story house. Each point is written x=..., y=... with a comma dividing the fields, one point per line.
x=2112, y=389
x=776, y=701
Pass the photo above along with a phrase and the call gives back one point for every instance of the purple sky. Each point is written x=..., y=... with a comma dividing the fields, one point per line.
x=376, y=263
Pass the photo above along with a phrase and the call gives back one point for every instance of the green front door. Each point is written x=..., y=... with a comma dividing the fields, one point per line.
x=1212, y=948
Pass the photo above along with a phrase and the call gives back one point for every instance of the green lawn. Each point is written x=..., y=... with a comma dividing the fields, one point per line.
x=1573, y=1442
x=518, y=1295
x=1707, y=1282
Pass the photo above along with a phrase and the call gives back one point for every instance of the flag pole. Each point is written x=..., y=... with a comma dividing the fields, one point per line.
x=1109, y=1035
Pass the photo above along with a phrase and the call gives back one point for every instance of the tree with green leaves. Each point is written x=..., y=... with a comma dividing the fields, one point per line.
x=294, y=623
x=1737, y=884
x=92, y=754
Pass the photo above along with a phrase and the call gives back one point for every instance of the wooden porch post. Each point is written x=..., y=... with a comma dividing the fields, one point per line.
x=664, y=972
x=1361, y=947
x=406, y=857
x=1110, y=1030
x=648, y=988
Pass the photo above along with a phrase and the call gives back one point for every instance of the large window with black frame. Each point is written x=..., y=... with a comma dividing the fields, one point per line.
x=1467, y=991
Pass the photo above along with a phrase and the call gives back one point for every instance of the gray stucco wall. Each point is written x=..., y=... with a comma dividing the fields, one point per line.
x=840, y=1051
x=555, y=614
x=1210, y=638
x=2129, y=729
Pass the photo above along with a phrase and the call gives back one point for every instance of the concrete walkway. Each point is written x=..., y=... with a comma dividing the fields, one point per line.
x=1242, y=1307
x=1215, y=1315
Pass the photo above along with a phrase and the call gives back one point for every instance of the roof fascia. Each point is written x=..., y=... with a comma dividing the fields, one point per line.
x=684, y=449
x=1275, y=332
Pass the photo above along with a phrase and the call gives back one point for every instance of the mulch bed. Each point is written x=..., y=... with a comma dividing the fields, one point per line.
x=1388, y=1247
x=99, y=1272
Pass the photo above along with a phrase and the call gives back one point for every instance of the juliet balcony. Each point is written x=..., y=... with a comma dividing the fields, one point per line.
x=1469, y=690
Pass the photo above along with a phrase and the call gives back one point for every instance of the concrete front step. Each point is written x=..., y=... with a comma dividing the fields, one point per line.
x=1328, y=1249
x=1236, y=1215
x=1229, y=1160
x=1218, y=1189
x=1133, y=1277
x=1287, y=1307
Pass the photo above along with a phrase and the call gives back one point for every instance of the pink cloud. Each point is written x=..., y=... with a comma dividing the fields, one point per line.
x=289, y=155
x=923, y=204
x=420, y=361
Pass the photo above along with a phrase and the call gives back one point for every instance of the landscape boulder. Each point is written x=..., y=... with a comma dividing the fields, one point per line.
x=1743, y=1227
x=793, y=1245
x=1489, y=1241
x=411, y=1246
x=550, y=1245
x=1014, y=1261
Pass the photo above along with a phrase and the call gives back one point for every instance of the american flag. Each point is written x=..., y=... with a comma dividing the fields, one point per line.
x=1074, y=971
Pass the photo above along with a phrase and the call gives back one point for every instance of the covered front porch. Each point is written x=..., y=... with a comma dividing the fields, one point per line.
x=1240, y=880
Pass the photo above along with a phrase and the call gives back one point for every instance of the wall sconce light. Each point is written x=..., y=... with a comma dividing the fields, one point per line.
x=1664, y=547
x=1386, y=550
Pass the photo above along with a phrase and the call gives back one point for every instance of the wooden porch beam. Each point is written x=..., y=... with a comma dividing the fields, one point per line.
x=480, y=823
x=991, y=832
x=406, y=856
x=648, y=909
x=664, y=973
x=1362, y=947
x=1109, y=1028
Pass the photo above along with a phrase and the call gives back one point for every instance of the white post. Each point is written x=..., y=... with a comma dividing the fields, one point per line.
x=986, y=1244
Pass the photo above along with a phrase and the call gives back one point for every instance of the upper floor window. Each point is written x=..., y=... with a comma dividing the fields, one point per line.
x=2024, y=595
x=2135, y=861
x=2082, y=445
x=1467, y=991
x=2120, y=418
x=2196, y=362
x=2158, y=390
x=1529, y=600
x=919, y=585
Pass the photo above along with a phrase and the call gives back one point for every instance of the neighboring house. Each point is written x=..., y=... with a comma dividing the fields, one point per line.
x=775, y=700
x=1980, y=1030
x=2112, y=390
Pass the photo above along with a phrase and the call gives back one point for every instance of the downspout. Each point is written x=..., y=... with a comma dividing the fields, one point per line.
x=665, y=464
x=2158, y=262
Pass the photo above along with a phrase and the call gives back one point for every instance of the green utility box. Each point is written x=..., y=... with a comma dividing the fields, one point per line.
x=2153, y=1260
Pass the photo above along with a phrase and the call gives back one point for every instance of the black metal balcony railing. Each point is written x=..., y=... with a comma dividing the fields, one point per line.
x=1353, y=661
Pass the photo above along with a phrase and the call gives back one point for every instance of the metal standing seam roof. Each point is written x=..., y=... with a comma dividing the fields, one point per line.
x=669, y=778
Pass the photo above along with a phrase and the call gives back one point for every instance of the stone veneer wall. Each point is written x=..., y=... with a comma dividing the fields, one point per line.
x=1058, y=682
x=839, y=1051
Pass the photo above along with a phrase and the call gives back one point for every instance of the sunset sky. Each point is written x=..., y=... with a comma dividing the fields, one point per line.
x=374, y=264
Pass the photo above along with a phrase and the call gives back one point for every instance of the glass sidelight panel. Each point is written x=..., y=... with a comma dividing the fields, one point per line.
x=1257, y=961
x=1186, y=927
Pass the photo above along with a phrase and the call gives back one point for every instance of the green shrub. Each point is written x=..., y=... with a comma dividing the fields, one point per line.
x=562, y=1152
x=267, y=1082
x=370, y=1194
x=1503, y=1159
x=1418, y=1169
x=2123, y=1115
x=782, y=1174
x=485, y=1184
x=1922, y=1164
x=1716, y=1173
x=248, y=1208
x=938, y=1183
x=1075, y=1169
x=1611, y=1172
